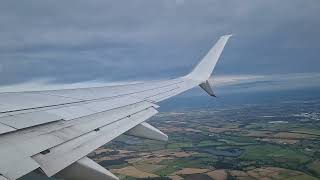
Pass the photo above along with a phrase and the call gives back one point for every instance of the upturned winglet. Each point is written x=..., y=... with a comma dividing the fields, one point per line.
x=203, y=70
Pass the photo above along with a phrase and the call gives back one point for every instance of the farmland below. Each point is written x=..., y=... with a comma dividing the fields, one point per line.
x=279, y=141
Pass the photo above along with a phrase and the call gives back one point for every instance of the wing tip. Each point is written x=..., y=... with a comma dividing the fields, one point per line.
x=206, y=66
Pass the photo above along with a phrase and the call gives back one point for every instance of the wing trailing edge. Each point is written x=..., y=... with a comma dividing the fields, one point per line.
x=64, y=155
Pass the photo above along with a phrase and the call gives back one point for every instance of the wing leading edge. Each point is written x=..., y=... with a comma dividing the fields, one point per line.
x=53, y=131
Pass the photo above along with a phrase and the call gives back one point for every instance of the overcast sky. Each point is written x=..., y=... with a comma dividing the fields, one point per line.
x=75, y=41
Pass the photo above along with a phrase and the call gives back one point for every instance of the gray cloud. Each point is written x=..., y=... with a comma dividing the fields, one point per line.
x=73, y=41
x=222, y=84
x=226, y=85
x=275, y=82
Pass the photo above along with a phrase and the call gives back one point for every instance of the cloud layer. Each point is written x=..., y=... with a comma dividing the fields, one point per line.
x=74, y=41
x=222, y=84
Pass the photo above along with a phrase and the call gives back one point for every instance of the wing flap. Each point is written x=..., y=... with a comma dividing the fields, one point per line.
x=65, y=154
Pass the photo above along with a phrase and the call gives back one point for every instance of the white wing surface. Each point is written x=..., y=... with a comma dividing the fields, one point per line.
x=53, y=131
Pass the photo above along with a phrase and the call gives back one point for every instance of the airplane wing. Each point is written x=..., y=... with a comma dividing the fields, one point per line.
x=53, y=131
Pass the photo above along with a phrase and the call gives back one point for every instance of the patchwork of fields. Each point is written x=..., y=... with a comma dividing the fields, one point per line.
x=249, y=142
